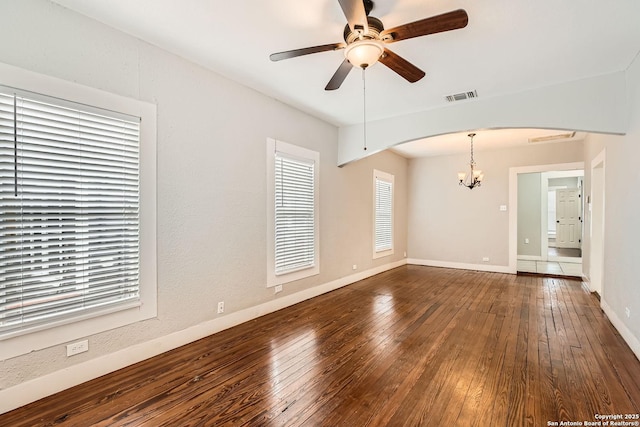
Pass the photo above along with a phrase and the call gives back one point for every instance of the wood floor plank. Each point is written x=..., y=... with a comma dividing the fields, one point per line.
x=548, y=382
x=505, y=374
x=562, y=391
x=415, y=346
x=608, y=357
x=481, y=389
x=485, y=405
x=396, y=379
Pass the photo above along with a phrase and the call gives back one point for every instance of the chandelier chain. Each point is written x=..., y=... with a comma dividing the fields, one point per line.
x=472, y=162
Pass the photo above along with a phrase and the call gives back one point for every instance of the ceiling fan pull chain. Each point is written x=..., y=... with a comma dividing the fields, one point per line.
x=364, y=108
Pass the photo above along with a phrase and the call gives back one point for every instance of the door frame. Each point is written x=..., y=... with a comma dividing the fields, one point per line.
x=513, y=202
x=596, y=222
x=545, y=211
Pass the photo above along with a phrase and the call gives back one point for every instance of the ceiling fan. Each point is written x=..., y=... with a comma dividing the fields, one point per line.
x=365, y=39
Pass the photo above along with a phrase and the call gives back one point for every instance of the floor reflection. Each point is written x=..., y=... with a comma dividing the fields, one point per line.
x=288, y=356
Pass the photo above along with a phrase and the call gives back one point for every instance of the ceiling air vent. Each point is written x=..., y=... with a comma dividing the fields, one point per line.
x=462, y=96
x=549, y=138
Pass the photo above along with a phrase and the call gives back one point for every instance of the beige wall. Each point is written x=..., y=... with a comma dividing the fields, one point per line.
x=529, y=213
x=449, y=223
x=211, y=180
x=621, y=276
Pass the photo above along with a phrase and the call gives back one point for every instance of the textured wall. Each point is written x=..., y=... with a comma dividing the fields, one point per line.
x=453, y=224
x=529, y=213
x=621, y=283
x=211, y=176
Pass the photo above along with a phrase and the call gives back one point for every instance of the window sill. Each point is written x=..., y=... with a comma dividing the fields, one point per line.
x=383, y=254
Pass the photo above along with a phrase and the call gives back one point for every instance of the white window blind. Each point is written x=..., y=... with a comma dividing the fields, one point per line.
x=294, y=213
x=69, y=211
x=383, y=214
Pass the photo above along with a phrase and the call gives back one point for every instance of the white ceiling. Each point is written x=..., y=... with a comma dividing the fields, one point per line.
x=508, y=46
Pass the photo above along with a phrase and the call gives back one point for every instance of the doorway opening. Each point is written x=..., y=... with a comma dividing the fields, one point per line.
x=564, y=217
x=546, y=228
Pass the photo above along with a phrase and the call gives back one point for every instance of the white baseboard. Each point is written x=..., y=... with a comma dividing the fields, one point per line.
x=461, y=266
x=626, y=334
x=30, y=391
x=530, y=257
x=567, y=259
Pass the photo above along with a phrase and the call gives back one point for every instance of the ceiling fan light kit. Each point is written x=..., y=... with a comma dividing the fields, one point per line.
x=364, y=53
x=365, y=39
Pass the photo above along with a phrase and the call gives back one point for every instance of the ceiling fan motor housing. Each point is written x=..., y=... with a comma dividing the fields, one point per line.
x=373, y=32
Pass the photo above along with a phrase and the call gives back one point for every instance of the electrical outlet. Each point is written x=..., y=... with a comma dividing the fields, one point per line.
x=485, y=259
x=278, y=289
x=526, y=241
x=405, y=254
x=77, y=348
x=221, y=307
x=355, y=266
x=627, y=312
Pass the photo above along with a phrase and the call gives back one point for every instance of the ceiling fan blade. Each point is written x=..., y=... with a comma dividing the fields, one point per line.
x=339, y=76
x=436, y=24
x=401, y=66
x=355, y=13
x=305, y=51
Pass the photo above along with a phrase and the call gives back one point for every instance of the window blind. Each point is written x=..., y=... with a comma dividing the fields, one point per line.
x=383, y=221
x=294, y=213
x=69, y=210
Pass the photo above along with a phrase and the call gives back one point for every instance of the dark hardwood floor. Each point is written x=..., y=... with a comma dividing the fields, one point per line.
x=414, y=346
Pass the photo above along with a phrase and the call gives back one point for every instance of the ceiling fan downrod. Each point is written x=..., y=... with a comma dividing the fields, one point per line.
x=364, y=107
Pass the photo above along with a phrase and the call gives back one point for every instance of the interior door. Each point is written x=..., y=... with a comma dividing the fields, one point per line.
x=568, y=218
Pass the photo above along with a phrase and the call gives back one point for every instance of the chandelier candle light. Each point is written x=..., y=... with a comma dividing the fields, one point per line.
x=474, y=177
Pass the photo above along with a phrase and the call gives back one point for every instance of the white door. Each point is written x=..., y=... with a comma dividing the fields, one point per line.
x=568, y=218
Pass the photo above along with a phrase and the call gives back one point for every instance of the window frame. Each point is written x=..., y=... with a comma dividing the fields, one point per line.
x=274, y=146
x=389, y=178
x=18, y=342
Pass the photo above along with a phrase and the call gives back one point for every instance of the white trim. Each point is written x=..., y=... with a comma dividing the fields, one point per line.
x=631, y=340
x=513, y=202
x=382, y=254
x=545, y=189
x=383, y=176
x=30, y=391
x=54, y=87
x=544, y=216
x=598, y=162
x=530, y=258
x=565, y=259
x=274, y=146
x=461, y=265
x=565, y=174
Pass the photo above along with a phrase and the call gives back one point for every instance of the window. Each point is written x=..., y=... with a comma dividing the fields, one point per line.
x=293, y=212
x=72, y=247
x=383, y=214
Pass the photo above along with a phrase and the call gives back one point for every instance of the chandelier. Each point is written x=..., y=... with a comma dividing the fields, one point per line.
x=474, y=177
